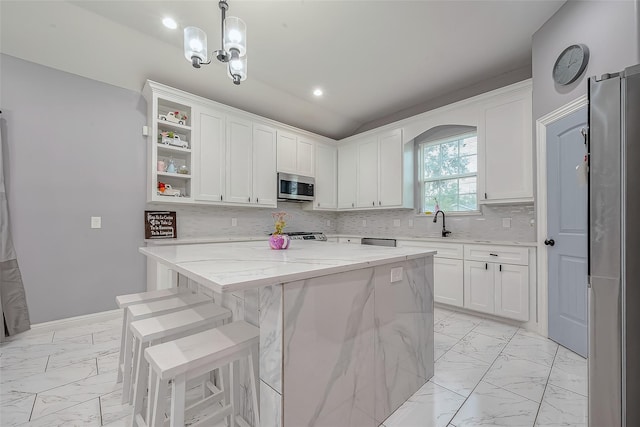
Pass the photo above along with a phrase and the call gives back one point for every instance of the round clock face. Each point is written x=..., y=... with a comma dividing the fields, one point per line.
x=570, y=64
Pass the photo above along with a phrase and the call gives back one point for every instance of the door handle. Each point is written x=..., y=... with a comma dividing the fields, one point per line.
x=549, y=242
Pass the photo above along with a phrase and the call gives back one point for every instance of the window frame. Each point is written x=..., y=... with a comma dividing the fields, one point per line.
x=422, y=181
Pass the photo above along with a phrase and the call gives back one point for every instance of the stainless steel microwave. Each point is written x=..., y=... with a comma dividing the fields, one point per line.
x=295, y=187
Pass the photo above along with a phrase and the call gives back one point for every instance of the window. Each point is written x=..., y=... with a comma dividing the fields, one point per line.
x=448, y=174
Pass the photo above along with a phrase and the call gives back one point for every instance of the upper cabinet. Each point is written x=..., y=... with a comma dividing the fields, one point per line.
x=505, y=132
x=169, y=152
x=383, y=171
x=347, y=175
x=295, y=154
x=326, y=194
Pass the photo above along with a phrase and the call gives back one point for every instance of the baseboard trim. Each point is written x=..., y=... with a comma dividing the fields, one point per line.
x=68, y=322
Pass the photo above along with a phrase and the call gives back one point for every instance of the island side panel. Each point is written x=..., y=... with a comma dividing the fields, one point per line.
x=404, y=332
x=328, y=377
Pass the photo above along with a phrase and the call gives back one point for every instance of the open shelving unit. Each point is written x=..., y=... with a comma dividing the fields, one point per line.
x=169, y=141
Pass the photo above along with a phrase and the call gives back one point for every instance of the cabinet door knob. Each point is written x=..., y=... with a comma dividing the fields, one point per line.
x=486, y=266
x=549, y=242
x=500, y=267
x=318, y=204
x=221, y=197
x=249, y=198
x=373, y=203
x=379, y=203
x=257, y=200
x=353, y=205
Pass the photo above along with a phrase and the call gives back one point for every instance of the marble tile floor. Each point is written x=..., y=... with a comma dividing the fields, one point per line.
x=490, y=374
x=486, y=374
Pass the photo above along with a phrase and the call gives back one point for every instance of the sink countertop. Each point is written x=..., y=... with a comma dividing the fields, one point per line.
x=443, y=240
x=230, y=267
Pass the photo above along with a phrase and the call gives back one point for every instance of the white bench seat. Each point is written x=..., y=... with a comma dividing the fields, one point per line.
x=145, y=297
x=180, y=360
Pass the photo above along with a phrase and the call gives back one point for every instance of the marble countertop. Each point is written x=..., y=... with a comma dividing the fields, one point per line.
x=237, y=266
x=207, y=239
x=443, y=240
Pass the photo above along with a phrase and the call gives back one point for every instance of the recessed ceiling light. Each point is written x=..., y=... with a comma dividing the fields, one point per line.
x=169, y=23
x=317, y=92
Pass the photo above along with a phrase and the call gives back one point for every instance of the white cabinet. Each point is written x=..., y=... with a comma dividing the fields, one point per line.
x=235, y=160
x=448, y=272
x=295, y=154
x=448, y=281
x=239, y=160
x=209, y=155
x=512, y=291
x=169, y=153
x=264, y=166
x=479, y=286
x=326, y=189
x=347, y=176
x=377, y=173
x=367, y=173
x=507, y=166
x=496, y=280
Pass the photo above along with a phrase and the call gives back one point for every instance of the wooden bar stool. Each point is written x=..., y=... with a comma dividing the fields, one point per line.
x=178, y=361
x=158, y=329
x=145, y=311
x=125, y=301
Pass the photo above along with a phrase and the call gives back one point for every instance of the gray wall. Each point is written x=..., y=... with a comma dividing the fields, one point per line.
x=75, y=150
x=608, y=28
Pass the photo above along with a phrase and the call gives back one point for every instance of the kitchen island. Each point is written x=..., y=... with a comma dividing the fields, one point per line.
x=346, y=331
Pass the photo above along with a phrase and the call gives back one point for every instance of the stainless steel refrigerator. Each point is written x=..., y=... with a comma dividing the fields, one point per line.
x=614, y=249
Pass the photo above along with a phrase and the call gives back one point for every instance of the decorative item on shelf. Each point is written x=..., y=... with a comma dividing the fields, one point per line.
x=174, y=117
x=234, y=45
x=166, y=190
x=184, y=170
x=277, y=240
x=162, y=166
x=170, y=138
x=171, y=167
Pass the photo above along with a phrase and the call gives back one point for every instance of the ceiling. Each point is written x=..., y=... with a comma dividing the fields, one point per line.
x=373, y=59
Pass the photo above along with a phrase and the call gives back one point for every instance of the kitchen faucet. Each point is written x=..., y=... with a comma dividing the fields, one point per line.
x=445, y=232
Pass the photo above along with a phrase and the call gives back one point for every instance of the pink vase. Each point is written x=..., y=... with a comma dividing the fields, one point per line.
x=279, y=241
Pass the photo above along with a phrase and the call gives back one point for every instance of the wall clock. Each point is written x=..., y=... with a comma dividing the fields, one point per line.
x=570, y=64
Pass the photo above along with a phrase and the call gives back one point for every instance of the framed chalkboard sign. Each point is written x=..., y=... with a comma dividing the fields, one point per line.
x=160, y=225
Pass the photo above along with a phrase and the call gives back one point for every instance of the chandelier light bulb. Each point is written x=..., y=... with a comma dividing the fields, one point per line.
x=195, y=46
x=235, y=35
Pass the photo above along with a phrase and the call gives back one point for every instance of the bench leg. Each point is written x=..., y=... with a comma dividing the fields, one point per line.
x=137, y=347
x=126, y=380
x=232, y=393
x=159, y=402
x=122, y=341
x=178, y=391
x=142, y=381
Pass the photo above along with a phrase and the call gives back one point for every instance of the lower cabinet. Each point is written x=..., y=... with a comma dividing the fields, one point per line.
x=500, y=289
x=447, y=281
x=479, y=286
x=512, y=291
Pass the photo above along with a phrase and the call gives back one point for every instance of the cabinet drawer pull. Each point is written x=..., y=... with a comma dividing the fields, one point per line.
x=493, y=254
x=500, y=267
x=486, y=266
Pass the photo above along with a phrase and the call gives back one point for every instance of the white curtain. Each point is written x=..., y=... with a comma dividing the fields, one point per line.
x=12, y=297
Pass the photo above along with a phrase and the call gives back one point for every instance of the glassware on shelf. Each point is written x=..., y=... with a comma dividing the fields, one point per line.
x=171, y=167
x=184, y=170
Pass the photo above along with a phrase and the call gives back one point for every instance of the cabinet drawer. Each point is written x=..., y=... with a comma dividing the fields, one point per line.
x=499, y=254
x=445, y=250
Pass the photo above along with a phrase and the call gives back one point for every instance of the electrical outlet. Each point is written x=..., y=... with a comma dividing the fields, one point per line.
x=410, y=223
x=396, y=223
x=396, y=274
x=532, y=222
x=328, y=223
x=96, y=222
x=234, y=222
x=364, y=222
x=506, y=222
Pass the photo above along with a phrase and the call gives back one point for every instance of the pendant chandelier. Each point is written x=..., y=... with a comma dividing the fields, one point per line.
x=234, y=45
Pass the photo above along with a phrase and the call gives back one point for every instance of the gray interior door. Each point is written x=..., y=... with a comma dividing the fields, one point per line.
x=567, y=231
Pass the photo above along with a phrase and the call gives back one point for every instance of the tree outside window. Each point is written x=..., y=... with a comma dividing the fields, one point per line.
x=449, y=171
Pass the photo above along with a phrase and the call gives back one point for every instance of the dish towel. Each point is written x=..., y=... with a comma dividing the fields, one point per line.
x=12, y=297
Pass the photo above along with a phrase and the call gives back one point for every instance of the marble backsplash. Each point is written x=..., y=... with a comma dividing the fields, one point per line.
x=210, y=221
x=405, y=223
